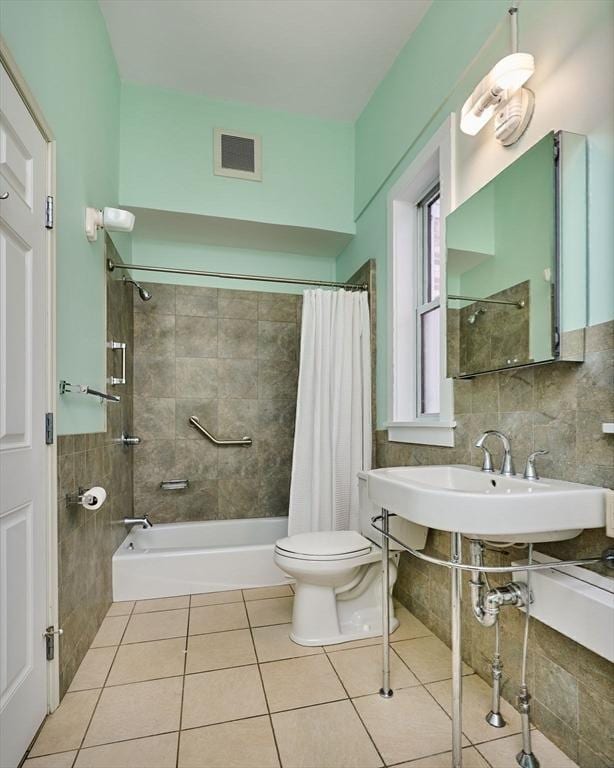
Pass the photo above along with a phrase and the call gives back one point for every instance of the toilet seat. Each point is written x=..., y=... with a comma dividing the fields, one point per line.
x=324, y=546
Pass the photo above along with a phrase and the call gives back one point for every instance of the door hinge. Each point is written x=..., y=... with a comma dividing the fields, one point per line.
x=49, y=212
x=49, y=428
x=49, y=635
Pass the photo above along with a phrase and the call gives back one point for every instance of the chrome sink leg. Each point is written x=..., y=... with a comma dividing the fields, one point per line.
x=385, y=691
x=525, y=758
x=457, y=669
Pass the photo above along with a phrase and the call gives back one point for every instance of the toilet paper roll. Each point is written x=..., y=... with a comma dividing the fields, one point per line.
x=94, y=498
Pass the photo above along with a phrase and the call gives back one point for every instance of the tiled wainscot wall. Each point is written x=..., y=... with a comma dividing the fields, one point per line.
x=87, y=539
x=559, y=407
x=230, y=358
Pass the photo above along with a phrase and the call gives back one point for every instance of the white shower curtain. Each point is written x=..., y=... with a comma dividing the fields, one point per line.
x=332, y=440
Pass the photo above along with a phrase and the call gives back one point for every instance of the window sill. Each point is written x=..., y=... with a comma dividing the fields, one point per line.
x=437, y=433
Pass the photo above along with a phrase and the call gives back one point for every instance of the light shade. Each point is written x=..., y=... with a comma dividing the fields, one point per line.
x=494, y=90
x=513, y=71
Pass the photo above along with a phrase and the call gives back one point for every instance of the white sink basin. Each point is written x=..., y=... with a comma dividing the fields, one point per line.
x=483, y=505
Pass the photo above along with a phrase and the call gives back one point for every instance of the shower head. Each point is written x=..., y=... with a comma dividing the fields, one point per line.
x=143, y=292
x=474, y=315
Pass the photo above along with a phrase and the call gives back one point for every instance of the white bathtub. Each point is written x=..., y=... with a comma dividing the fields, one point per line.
x=188, y=558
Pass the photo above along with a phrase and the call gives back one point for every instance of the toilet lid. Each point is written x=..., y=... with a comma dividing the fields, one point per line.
x=325, y=544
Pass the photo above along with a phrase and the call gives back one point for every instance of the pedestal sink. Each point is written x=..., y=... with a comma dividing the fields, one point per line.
x=484, y=505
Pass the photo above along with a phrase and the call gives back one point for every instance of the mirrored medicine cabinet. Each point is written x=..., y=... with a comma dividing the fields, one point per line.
x=517, y=263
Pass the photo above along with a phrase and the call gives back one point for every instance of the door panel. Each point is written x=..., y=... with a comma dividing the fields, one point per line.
x=16, y=657
x=15, y=324
x=16, y=164
x=23, y=454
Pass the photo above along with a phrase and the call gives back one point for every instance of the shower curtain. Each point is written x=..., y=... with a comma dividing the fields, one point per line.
x=332, y=439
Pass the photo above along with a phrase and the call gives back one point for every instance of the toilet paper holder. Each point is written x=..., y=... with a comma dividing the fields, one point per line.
x=81, y=496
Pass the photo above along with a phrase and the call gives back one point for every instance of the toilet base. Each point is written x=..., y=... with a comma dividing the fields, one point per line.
x=349, y=632
x=326, y=615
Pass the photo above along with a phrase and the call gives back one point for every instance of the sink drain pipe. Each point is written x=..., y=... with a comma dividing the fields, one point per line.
x=477, y=583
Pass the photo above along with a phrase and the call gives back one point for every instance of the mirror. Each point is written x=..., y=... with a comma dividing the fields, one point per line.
x=503, y=274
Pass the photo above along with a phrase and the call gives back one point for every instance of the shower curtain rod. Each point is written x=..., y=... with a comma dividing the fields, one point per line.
x=111, y=265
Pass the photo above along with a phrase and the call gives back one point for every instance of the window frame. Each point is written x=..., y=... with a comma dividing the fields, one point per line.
x=433, y=164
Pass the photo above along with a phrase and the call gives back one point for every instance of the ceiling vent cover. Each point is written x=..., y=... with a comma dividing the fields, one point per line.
x=238, y=155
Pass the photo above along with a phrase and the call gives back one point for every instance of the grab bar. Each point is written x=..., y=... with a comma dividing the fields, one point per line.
x=121, y=345
x=194, y=422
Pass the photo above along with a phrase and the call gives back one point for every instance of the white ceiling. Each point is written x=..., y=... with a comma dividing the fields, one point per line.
x=317, y=57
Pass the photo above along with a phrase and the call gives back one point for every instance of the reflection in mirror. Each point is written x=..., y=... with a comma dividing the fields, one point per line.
x=501, y=269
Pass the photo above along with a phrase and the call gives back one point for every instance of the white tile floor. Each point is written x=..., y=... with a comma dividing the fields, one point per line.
x=213, y=681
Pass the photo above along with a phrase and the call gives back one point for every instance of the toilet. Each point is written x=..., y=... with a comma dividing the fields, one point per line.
x=338, y=590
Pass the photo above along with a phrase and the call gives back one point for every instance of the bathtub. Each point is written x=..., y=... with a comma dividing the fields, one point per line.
x=189, y=558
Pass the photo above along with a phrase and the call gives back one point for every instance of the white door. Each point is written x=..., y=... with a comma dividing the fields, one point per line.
x=23, y=459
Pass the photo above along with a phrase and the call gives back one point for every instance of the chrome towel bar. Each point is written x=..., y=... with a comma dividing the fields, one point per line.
x=84, y=389
x=194, y=422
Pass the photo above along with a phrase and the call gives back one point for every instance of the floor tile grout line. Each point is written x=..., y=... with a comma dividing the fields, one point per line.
x=266, y=698
x=91, y=718
x=364, y=725
x=488, y=763
x=185, y=661
x=178, y=674
x=139, y=642
x=119, y=741
x=424, y=685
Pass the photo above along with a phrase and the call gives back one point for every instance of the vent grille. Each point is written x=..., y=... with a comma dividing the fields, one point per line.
x=237, y=155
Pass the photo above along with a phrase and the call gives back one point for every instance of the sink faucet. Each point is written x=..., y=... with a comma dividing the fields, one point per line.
x=507, y=467
x=142, y=521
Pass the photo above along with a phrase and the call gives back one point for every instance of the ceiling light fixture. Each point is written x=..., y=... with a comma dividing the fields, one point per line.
x=501, y=95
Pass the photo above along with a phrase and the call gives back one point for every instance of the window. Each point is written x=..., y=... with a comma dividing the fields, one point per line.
x=428, y=309
x=420, y=397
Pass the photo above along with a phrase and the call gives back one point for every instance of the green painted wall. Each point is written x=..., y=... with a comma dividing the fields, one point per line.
x=422, y=76
x=63, y=51
x=452, y=49
x=191, y=255
x=167, y=161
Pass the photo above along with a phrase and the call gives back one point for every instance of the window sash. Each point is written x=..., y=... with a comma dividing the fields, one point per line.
x=425, y=302
x=426, y=250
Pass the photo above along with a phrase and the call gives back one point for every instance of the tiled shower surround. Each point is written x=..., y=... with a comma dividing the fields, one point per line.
x=230, y=358
x=558, y=407
x=86, y=539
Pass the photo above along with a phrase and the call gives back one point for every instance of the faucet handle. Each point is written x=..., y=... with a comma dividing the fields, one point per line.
x=530, y=473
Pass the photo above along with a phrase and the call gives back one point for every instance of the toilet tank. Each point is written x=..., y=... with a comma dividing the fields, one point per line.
x=410, y=533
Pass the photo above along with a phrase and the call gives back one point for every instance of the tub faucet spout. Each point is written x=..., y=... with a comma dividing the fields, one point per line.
x=142, y=521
